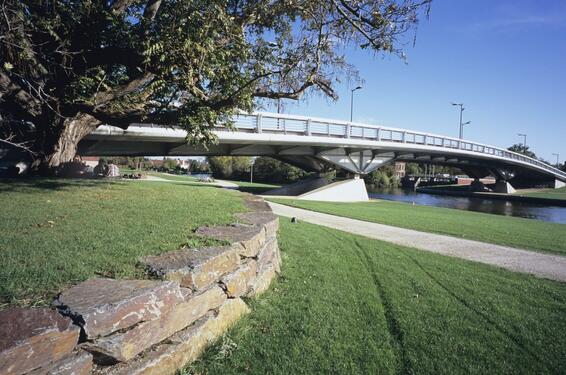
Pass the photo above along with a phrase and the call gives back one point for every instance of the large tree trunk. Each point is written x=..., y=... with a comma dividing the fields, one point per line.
x=61, y=146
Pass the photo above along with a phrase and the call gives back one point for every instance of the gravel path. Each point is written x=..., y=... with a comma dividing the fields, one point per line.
x=538, y=264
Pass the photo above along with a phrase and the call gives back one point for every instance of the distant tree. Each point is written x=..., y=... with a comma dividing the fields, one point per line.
x=69, y=66
x=521, y=149
x=197, y=166
x=413, y=169
x=169, y=165
x=229, y=167
x=563, y=167
x=382, y=177
x=274, y=171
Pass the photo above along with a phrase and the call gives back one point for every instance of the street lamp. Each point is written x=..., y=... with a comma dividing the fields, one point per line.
x=524, y=142
x=557, y=159
x=461, y=105
x=352, y=102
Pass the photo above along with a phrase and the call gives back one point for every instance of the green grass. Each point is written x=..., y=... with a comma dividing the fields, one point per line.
x=254, y=187
x=548, y=193
x=58, y=232
x=349, y=305
x=511, y=231
x=171, y=177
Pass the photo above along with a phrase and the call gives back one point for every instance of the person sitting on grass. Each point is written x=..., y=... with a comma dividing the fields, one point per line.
x=112, y=170
x=101, y=169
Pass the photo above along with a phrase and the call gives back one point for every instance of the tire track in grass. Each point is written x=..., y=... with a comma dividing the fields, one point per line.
x=395, y=331
x=481, y=314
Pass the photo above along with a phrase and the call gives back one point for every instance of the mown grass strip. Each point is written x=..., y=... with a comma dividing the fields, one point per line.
x=349, y=305
x=502, y=230
x=58, y=232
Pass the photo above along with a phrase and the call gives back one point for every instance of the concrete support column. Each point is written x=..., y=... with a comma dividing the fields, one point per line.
x=504, y=187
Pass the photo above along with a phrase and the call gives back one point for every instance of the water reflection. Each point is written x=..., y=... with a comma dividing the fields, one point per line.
x=498, y=207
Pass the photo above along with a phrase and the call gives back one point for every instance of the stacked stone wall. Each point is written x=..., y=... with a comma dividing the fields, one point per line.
x=156, y=326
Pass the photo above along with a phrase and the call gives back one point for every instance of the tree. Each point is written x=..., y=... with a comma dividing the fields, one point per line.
x=274, y=171
x=230, y=167
x=169, y=165
x=69, y=66
x=522, y=149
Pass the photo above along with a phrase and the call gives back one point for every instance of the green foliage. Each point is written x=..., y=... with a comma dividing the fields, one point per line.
x=230, y=167
x=522, y=149
x=169, y=165
x=191, y=63
x=274, y=171
x=382, y=177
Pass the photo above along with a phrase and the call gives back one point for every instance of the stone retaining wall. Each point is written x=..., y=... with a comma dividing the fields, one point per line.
x=108, y=326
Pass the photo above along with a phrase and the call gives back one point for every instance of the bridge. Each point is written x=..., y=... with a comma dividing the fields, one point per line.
x=316, y=144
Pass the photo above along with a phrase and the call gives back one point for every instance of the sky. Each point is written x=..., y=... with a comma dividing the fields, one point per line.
x=505, y=60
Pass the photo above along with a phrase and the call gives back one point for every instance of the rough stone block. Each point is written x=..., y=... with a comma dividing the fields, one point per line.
x=250, y=238
x=262, y=281
x=265, y=219
x=257, y=205
x=76, y=363
x=238, y=283
x=32, y=338
x=123, y=346
x=107, y=305
x=194, y=268
x=269, y=256
x=185, y=346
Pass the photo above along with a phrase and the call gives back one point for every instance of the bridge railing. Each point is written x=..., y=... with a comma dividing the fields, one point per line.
x=298, y=125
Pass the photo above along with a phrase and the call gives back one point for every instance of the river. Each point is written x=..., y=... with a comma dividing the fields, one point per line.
x=498, y=207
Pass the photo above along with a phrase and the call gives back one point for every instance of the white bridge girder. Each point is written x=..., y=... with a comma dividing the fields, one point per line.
x=316, y=144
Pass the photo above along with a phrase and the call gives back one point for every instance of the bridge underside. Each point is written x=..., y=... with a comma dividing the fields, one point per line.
x=322, y=158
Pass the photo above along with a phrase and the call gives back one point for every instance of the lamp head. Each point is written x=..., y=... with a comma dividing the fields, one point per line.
x=357, y=88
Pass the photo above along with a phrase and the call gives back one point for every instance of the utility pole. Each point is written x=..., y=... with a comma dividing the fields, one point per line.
x=557, y=159
x=461, y=105
x=352, y=102
x=524, y=142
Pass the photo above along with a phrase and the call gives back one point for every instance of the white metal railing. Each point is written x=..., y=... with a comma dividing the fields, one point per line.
x=264, y=122
x=300, y=125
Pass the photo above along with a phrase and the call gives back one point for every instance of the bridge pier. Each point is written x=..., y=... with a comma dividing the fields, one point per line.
x=351, y=190
x=502, y=186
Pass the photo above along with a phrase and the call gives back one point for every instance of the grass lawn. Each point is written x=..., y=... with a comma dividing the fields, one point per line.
x=349, y=305
x=548, y=193
x=58, y=232
x=245, y=186
x=511, y=231
x=254, y=187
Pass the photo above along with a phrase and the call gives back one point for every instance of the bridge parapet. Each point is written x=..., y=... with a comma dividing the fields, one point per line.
x=264, y=122
x=315, y=144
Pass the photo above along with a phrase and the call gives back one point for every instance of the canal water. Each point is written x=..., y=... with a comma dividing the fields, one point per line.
x=498, y=207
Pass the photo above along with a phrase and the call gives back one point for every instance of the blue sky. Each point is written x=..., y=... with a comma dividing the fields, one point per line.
x=505, y=60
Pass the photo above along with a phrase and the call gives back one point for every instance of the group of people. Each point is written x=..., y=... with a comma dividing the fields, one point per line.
x=103, y=169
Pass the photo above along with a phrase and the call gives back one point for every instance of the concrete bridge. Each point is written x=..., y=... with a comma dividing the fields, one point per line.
x=321, y=144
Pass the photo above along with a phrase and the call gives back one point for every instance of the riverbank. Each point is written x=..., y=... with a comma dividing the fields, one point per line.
x=501, y=230
x=557, y=197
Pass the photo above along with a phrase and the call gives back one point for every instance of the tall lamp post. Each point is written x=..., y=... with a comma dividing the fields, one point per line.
x=461, y=105
x=524, y=142
x=557, y=159
x=352, y=102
